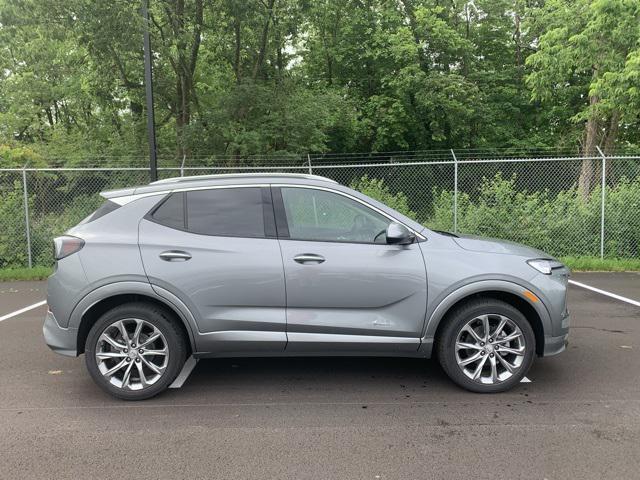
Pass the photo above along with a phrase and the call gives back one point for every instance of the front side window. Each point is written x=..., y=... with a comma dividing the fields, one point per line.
x=237, y=212
x=325, y=216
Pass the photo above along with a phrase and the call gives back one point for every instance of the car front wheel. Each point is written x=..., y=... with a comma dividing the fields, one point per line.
x=135, y=351
x=486, y=346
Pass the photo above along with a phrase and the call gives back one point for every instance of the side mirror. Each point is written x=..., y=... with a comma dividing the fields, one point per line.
x=399, y=235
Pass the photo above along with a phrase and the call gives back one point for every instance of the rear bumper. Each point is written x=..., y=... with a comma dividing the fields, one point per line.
x=60, y=340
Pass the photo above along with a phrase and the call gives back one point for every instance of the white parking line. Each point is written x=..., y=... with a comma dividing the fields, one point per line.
x=22, y=310
x=604, y=292
x=188, y=367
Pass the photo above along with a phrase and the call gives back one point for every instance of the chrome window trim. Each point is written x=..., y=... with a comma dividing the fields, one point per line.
x=130, y=198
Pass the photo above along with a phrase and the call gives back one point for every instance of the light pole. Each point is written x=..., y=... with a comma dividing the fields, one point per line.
x=148, y=83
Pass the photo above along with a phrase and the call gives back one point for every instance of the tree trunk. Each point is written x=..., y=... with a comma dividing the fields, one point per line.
x=257, y=67
x=611, y=134
x=517, y=40
x=585, y=181
x=184, y=65
x=236, y=56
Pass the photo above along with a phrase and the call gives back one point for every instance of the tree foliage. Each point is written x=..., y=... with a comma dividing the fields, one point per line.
x=243, y=77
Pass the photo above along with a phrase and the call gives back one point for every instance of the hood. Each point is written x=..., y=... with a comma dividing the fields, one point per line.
x=493, y=245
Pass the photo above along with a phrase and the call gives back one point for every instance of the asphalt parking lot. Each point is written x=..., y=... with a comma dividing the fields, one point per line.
x=330, y=418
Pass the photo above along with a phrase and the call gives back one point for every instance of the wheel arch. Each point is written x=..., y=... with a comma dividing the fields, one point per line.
x=99, y=301
x=535, y=312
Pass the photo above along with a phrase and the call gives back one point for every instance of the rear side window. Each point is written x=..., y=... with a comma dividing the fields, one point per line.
x=105, y=208
x=171, y=212
x=235, y=212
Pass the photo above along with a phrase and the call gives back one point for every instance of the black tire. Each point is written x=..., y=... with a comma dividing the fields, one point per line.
x=456, y=320
x=159, y=318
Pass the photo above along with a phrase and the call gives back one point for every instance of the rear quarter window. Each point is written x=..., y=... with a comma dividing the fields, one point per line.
x=104, y=209
x=170, y=212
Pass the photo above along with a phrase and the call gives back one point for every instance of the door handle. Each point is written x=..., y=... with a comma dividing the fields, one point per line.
x=305, y=258
x=175, y=256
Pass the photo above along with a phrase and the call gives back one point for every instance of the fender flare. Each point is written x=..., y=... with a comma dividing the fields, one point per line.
x=134, y=288
x=431, y=325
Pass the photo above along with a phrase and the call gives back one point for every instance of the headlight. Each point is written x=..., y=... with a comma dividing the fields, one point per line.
x=544, y=265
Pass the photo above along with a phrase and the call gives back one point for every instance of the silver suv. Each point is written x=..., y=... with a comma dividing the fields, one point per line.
x=291, y=265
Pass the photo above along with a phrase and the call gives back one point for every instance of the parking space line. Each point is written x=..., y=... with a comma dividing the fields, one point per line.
x=604, y=292
x=22, y=310
x=188, y=367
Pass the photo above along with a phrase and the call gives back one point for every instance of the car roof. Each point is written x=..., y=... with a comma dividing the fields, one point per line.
x=202, y=181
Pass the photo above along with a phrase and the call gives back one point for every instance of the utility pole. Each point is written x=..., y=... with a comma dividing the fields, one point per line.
x=148, y=83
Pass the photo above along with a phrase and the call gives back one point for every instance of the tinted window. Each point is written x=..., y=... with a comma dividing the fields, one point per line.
x=226, y=211
x=105, y=208
x=325, y=216
x=171, y=211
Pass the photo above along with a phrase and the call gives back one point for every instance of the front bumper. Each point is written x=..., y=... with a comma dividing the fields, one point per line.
x=555, y=345
x=60, y=340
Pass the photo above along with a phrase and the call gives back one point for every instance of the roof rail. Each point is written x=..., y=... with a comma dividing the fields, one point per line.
x=195, y=178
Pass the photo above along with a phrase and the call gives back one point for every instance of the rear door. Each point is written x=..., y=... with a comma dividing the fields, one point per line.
x=217, y=251
x=347, y=289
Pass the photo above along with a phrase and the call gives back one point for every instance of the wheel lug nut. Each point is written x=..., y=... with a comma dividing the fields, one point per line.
x=133, y=345
x=482, y=352
x=140, y=351
x=482, y=344
x=137, y=360
x=126, y=350
x=491, y=355
x=128, y=359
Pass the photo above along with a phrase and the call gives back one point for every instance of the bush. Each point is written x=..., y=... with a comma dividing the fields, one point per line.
x=13, y=240
x=563, y=225
x=377, y=190
x=43, y=227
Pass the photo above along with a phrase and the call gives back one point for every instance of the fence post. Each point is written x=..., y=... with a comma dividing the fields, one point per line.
x=604, y=186
x=309, y=162
x=26, y=212
x=184, y=159
x=455, y=191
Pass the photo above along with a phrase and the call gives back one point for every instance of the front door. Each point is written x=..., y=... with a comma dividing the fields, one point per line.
x=347, y=290
x=216, y=250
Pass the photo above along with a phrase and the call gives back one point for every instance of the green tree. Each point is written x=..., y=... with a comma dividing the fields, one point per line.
x=586, y=50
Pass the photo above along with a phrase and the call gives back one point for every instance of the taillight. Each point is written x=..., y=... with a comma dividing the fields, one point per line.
x=66, y=245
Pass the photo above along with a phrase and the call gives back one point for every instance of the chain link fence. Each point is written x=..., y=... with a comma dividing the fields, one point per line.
x=527, y=197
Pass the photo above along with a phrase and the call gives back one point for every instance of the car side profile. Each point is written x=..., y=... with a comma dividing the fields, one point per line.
x=291, y=265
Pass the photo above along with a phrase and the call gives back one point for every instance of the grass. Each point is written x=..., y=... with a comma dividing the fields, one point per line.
x=35, y=273
x=597, y=264
x=577, y=264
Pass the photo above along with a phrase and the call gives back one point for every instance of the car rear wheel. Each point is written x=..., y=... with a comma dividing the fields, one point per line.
x=486, y=346
x=135, y=351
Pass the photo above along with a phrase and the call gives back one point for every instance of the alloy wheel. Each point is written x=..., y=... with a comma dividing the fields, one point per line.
x=490, y=348
x=132, y=354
